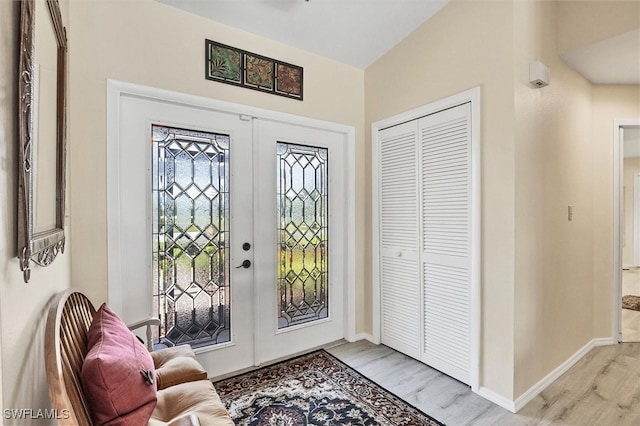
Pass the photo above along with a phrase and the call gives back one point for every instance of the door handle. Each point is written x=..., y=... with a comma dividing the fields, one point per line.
x=245, y=264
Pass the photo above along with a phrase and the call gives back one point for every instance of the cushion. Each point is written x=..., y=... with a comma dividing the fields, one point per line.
x=177, y=365
x=178, y=404
x=117, y=374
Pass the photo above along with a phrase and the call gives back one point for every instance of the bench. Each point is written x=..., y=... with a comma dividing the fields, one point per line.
x=184, y=394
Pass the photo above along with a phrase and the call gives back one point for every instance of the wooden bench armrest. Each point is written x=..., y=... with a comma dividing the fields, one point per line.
x=148, y=322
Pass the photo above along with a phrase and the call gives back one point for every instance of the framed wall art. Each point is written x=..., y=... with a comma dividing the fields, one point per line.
x=230, y=65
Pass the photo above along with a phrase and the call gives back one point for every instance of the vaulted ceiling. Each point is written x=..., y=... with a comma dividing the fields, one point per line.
x=358, y=32
x=354, y=32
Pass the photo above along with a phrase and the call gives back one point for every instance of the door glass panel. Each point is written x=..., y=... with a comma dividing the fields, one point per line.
x=302, y=200
x=190, y=222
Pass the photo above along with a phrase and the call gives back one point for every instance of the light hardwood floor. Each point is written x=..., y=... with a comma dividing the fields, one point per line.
x=602, y=389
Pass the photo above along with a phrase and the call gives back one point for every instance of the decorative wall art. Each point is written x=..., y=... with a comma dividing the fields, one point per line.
x=230, y=65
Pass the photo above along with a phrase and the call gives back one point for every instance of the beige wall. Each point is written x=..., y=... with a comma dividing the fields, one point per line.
x=540, y=153
x=152, y=44
x=631, y=167
x=464, y=45
x=22, y=306
x=610, y=102
x=581, y=23
x=554, y=169
x=540, y=290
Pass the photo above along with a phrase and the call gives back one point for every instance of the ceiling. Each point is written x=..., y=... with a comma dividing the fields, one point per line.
x=612, y=61
x=354, y=32
x=358, y=32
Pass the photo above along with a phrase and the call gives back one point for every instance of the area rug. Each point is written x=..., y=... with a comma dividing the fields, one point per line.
x=314, y=389
x=631, y=302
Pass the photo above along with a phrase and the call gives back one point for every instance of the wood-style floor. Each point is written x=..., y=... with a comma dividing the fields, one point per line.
x=602, y=389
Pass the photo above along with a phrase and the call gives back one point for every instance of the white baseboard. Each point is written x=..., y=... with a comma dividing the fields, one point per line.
x=535, y=390
x=604, y=341
x=500, y=400
x=364, y=336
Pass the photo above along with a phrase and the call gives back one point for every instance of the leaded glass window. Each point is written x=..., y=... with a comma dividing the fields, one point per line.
x=190, y=236
x=302, y=272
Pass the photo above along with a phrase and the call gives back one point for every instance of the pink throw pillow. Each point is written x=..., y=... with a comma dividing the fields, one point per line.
x=117, y=375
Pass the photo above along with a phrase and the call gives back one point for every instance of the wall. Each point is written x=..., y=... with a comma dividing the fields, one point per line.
x=466, y=44
x=631, y=167
x=153, y=44
x=22, y=306
x=581, y=23
x=554, y=169
x=610, y=102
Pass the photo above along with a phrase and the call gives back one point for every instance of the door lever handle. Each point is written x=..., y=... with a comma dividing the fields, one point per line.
x=245, y=264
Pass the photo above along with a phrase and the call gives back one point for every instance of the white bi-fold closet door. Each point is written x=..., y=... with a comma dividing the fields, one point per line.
x=426, y=220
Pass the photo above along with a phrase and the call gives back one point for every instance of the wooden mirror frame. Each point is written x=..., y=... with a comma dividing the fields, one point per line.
x=41, y=247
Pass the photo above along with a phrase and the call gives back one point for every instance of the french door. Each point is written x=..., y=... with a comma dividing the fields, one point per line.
x=230, y=228
x=306, y=248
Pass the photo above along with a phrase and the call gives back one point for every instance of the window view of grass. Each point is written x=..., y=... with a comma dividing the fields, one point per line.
x=190, y=236
x=190, y=259
x=302, y=237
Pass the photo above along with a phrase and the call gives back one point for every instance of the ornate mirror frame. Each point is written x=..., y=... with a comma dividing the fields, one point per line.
x=43, y=246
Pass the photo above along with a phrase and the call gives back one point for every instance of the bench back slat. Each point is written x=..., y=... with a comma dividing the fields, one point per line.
x=70, y=315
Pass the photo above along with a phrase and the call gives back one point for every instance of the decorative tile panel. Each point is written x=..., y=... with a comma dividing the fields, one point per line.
x=227, y=64
x=289, y=80
x=258, y=72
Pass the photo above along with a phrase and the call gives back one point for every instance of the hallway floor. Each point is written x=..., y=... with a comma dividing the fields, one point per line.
x=630, y=318
x=601, y=389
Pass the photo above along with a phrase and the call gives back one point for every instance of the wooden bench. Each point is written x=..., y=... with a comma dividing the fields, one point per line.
x=187, y=399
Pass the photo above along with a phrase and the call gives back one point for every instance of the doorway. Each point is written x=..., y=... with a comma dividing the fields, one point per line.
x=627, y=230
x=230, y=224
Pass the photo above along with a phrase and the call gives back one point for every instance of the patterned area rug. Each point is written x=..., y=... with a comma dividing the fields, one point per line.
x=631, y=302
x=314, y=389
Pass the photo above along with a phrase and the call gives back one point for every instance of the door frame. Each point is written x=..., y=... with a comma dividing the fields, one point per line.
x=472, y=96
x=118, y=89
x=616, y=293
x=636, y=219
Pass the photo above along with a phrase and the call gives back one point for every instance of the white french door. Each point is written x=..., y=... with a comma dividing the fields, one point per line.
x=303, y=237
x=141, y=120
x=231, y=228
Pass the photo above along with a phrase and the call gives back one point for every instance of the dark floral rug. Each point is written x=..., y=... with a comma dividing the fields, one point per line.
x=314, y=389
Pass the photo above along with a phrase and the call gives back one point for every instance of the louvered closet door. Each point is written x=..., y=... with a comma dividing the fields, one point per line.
x=445, y=145
x=399, y=242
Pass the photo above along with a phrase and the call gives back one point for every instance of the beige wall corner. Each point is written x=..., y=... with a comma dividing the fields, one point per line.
x=554, y=169
x=610, y=102
x=581, y=23
x=464, y=45
x=22, y=306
